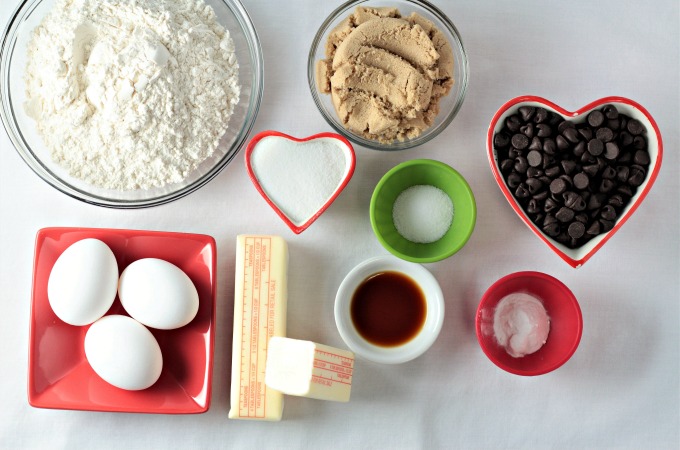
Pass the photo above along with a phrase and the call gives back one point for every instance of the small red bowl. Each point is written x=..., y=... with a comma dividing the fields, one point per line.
x=576, y=257
x=345, y=146
x=566, y=323
x=59, y=376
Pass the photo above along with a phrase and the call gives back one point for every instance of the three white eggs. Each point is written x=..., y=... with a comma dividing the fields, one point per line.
x=155, y=293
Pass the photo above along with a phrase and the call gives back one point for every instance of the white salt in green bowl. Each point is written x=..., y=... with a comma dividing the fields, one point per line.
x=420, y=172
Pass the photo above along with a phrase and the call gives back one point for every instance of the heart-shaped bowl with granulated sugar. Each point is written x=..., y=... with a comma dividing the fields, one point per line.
x=608, y=172
x=299, y=178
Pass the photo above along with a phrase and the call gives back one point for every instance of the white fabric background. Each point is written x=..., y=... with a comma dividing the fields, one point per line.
x=620, y=390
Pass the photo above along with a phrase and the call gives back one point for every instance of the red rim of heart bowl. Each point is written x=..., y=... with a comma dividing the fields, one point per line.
x=578, y=256
x=297, y=229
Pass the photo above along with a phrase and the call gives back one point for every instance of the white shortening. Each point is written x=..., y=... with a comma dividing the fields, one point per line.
x=308, y=369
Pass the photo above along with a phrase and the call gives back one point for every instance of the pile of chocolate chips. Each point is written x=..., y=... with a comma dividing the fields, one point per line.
x=572, y=179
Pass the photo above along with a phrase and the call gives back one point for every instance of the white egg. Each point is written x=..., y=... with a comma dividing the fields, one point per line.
x=158, y=294
x=123, y=352
x=83, y=281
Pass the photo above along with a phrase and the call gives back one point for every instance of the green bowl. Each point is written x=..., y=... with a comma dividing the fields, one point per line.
x=423, y=172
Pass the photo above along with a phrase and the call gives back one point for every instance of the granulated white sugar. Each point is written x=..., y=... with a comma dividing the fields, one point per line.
x=299, y=177
x=422, y=214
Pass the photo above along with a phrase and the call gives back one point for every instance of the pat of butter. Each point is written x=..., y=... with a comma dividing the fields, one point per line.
x=260, y=297
x=307, y=369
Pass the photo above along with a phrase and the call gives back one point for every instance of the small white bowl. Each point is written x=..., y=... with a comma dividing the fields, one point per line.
x=415, y=347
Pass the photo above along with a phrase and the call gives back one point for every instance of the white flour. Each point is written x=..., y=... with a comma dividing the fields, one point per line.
x=131, y=94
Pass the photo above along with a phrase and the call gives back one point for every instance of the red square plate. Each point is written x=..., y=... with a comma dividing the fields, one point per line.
x=59, y=375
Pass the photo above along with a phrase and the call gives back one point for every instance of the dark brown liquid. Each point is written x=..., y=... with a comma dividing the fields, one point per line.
x=388, y=309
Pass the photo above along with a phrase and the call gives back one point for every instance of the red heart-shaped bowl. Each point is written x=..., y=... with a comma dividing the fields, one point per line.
x=576, y=257
x=298, y=184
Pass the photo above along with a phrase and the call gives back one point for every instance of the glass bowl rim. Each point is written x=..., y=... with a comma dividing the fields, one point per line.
x=15, y=134
x=429, y=133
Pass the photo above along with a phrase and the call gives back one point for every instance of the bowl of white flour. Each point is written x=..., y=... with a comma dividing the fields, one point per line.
x=129, y=104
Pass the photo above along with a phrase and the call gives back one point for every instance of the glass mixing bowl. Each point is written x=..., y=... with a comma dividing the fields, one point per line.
x=23, y=133
x=448, y=105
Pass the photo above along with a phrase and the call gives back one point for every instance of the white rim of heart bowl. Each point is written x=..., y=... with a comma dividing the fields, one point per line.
x=351, y=164
x=578, y=256
x=415, y=347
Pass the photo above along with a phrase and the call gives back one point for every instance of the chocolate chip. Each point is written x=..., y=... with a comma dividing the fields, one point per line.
x=595, y=147
x=595, y=201
x=635, y=127
x=639, y=143
x=574, y=201
x=520, y=141
x=579, y=149
x=637, y=176
x=549, y=146
x=558, y=186
x=591, y=170
x=609, y=173
x=610, y=111
x=527, y=130
x=581, y=180
x=541, y=115
x=562, y=143
x=626, y=158
x=622, y=173
x=586, y=133
x=568, y=166
x=626, y=190
x=608, y=212
x=514, y=153
x=582, y=217
x=625, y=138
x=538, y=218
x=553, y=171
x=550, y=205
x=521, y=164
x=540, y=196
x=527, y=112
x=532, y=207
x=563, y=125
x=616, y=201
x=534, y=185
x=514, y=180
x=536, y=144
x=611, y=150
x=534, y=172
x=576, y=229
x=587, y=158
x=535, y=158
x=614, y=124
x=594, y=229
x=564, y=214
x=501, y=140
x=549, y=219
x=507, y=165
x=595, y=119
x=606, y=185
x=543, y=130
x=552, y=230
x=545, y=180
x=548, y=160
x=522, y=191
x=513, y=123
x=606, y=225
x=641, y=157
x=571, y=134
x=604, y=134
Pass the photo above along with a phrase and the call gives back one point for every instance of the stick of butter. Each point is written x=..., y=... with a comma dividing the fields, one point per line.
x=307, y=369
x=260, y=297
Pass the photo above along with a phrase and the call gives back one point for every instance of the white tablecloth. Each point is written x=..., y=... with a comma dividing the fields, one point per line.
x=621, y=389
